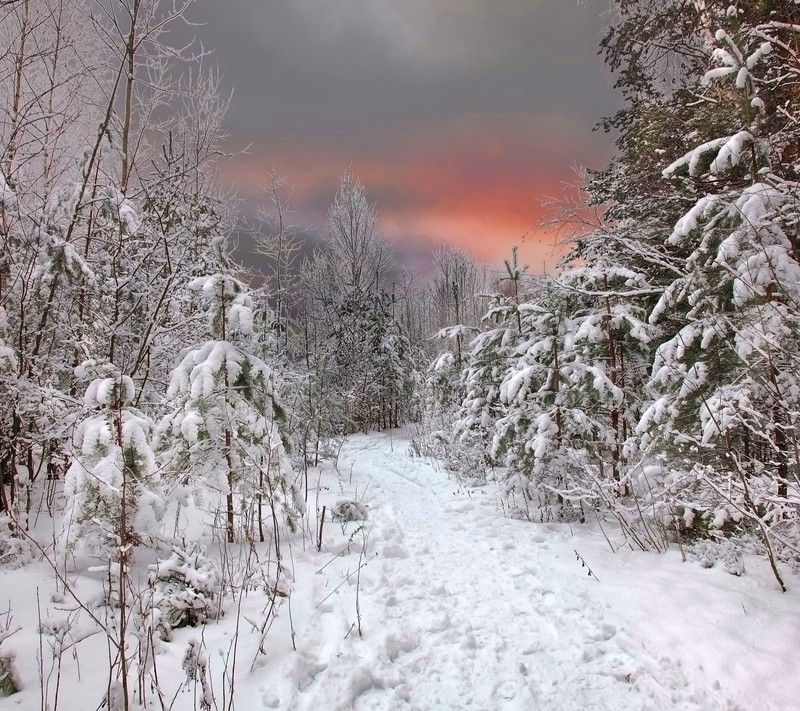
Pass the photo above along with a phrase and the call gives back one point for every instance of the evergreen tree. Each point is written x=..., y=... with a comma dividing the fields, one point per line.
x=359, y=354
x=536, y=418
x=224, y=432
x=111, y=486
x=611, y=353
x=485, y=366
x=392, y=369
x=726, y=381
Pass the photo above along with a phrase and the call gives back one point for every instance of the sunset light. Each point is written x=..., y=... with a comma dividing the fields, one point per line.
x=461, y=119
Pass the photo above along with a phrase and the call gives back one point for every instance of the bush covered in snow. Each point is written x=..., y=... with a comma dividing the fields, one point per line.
x=186, y=589
x=725, y=552
x=9, y=682
x=14, y=550
x=350, y=510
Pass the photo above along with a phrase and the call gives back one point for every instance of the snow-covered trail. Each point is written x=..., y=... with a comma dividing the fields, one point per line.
x=464, y=609
x=461, y=608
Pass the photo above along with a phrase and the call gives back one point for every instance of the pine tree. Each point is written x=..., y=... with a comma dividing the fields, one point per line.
x=225, y=429
x=537, y=418
x=111, y=486
x=392, y=373
x=484, y=367
x=611, y=353
x=357, y=350
x=726, y=380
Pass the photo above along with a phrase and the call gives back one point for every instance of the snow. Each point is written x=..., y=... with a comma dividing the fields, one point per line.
x=460, y=608
x=122, y=209
x=690, y=221
x=730, y=153
x=692, y=158
x=8, y=198
x=443, y=361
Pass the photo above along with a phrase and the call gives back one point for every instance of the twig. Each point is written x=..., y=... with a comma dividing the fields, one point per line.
x=347, y=577
x=584, y=564
x=321, y=524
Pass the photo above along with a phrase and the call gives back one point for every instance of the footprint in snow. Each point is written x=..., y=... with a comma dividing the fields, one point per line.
x=547, y=598
x=270, y=700
x=439, y=623
x=507, y=689
x=603, y=634
x=393, y=550
x=403, y=643
x=592, y=652
x=461, y=506
x=439, y=590
x=306, y=671
x=469, y=643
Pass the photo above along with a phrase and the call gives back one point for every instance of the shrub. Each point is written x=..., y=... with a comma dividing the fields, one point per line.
x=13, y=550
x=350, y=510
x=186, y=590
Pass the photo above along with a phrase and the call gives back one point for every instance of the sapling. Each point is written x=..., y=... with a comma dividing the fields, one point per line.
x=8, y=681
x=223, y=432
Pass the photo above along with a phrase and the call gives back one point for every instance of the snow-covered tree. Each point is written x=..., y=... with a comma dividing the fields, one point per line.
x=185, y=591
x=356, y=347
x=701, y=204
x=225, y=429
x=726, y=382
x=107, y=207
x=111, y=486
x=536, y=416
x=610, y=347
x=485, y=365
x=392, y=372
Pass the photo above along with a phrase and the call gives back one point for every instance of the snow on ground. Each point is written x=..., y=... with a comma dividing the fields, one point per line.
x=466, y=609
x=462, y=608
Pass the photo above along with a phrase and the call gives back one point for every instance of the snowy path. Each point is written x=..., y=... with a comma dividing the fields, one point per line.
x=463, y=609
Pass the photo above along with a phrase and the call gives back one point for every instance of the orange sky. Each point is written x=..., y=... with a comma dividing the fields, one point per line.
x=459, y=116
x=478, y=184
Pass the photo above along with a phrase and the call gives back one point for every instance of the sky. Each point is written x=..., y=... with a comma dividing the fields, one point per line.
x=459, y=116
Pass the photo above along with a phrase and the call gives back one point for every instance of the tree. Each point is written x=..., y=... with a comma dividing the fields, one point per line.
x=483, y=369
x=611, y=344
x=358, y=353
x=105, y=215
x=111, y=485
x=457, y=290
x=393, y=376
x=224, y=431
x=357, y=259
x=726, y=380
x=277, y=240
x=700, y=206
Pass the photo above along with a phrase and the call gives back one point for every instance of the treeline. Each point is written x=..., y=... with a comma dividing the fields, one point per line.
x=656, y=375
x=653, y=377
x=141, y=367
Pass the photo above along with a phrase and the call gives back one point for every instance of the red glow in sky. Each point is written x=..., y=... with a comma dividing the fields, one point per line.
x=459, y=116
x=480, y=185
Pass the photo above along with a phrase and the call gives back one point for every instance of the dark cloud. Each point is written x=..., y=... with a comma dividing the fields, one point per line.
x=332, y=68
x=431, y=100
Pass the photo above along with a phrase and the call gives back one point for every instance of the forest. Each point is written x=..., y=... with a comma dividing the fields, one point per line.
x=166, y=405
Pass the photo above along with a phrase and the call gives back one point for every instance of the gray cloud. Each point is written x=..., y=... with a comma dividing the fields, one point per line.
x=459, y=115
x=328, y=69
